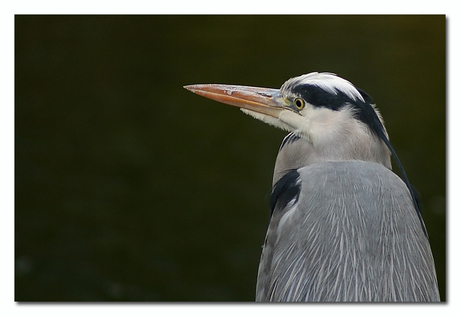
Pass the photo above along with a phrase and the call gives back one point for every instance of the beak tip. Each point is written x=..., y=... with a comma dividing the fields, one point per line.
x=190, y=88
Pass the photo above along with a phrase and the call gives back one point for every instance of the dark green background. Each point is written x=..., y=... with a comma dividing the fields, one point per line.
x=129, y=187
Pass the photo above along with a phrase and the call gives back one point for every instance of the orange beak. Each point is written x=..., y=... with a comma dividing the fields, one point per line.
x=261, y=100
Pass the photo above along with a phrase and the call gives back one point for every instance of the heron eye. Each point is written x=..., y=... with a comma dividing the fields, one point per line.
x=299, y=103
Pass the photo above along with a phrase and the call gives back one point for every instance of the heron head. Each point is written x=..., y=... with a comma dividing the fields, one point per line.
x=339, y=121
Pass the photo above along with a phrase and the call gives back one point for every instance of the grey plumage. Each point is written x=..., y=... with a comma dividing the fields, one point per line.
x=342, y=242
x=343, y=227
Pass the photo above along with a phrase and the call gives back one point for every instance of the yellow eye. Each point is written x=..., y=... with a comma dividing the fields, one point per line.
x=299, y=103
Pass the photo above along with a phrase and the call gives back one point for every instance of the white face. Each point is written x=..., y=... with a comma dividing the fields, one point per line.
x=321, y=125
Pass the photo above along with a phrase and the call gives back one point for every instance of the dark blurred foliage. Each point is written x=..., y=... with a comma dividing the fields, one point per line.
x=128, y=187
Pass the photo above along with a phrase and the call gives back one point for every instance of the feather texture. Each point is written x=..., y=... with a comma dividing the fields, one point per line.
x=343, y=242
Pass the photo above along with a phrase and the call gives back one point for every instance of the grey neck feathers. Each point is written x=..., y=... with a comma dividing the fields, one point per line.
x=296, y=152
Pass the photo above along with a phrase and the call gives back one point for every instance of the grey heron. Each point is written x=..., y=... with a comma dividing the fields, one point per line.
x=343, y=226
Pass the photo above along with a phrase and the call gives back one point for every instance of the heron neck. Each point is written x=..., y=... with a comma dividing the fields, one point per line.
x=296, y=152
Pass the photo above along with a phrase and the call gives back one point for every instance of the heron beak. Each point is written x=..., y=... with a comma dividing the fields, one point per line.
x=261, y=100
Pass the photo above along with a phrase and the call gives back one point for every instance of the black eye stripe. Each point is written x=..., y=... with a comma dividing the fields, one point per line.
x=318, y=97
